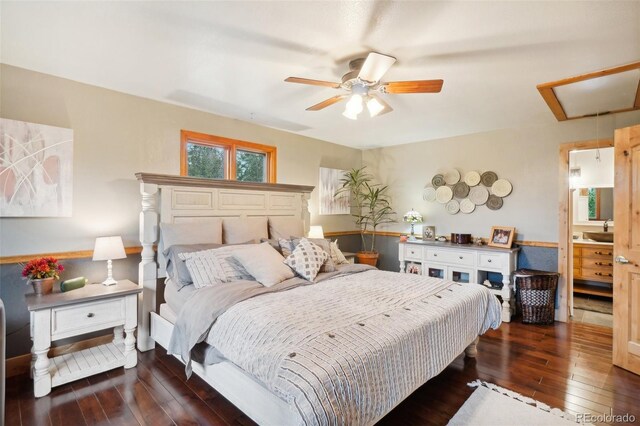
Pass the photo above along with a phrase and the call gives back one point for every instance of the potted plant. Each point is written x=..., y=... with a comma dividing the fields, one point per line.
x=371, y=208
x=42, y=273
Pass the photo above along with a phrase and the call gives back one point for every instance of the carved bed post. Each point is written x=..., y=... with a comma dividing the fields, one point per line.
x=472, y=350
x=306, y=214
x=148, y=268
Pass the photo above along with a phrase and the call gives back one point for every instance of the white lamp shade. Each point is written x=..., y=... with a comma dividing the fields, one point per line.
x=316, y=232
x=108, y=248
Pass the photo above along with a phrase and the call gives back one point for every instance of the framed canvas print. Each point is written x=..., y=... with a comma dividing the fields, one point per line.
x=330, y=183
x=428, y=233
x=36, y=170
x=502, y=236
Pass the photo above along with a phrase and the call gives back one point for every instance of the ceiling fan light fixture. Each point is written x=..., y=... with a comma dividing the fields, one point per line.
x=353, y=107
x=374, y=106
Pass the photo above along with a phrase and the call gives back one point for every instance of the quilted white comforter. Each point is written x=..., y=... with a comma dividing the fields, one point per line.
x=347, y=350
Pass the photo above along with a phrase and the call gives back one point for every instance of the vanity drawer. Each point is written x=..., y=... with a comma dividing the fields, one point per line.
x=486, y=260
x=600, y=274
x=412, y=252
x=592, y=263
x=72, y=320
x=452, y=257
x=597, y=252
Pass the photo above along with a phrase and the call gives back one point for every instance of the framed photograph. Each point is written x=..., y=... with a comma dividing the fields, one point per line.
x=428, y=233
x=329, y=184
x=502, y=236
x=414, y=268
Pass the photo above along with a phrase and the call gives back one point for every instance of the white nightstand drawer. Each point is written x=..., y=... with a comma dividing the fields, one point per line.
x=451, y=257
x=490, y=260
x=412, y=252
x=87, y=317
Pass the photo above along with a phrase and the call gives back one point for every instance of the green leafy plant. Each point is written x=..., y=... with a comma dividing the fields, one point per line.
x=370, y=203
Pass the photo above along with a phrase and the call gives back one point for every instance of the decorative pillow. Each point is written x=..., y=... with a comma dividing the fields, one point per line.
x=288, y=246
x=336, y=255
x=307, y=259
x=284, y=227
x=203, y=231
x=215, y=266
x=264, y=263
x=177, y=268
x=239, y=230
x=273, y=243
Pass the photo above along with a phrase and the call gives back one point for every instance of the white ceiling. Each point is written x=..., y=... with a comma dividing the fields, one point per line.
x=230, y=58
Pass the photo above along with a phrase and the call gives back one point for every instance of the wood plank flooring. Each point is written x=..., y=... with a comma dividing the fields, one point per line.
x=564, y=365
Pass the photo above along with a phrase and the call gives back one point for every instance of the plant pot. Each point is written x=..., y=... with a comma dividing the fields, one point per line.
x=368, y=257
x=43, y=285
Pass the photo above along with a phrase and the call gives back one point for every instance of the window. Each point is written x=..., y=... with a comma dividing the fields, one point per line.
x=215, y=157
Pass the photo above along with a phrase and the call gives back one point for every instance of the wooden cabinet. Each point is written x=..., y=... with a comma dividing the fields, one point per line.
x=467, y=264
x=593, y=262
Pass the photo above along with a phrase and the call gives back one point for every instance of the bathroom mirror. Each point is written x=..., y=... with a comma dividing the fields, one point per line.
x=593, y=205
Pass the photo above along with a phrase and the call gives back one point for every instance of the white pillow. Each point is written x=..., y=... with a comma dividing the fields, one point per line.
x=336, y=254
x=204, y=231
x=237, y=230
x=264, y=263
x=285, y=227
x=307, y=259
x=215, y=266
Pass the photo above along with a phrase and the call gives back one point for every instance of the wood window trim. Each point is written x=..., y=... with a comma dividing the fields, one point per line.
x=550, y=97
x=231, y=147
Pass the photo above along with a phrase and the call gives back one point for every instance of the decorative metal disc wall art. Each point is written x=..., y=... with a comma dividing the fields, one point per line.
x=464, y=195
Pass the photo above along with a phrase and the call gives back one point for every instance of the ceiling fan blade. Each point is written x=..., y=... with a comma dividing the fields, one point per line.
x=375, y=66
x=326, y=103
x=312, y=82
x=416, y=86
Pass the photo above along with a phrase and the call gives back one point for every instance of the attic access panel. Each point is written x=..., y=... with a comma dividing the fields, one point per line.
x=602, y=92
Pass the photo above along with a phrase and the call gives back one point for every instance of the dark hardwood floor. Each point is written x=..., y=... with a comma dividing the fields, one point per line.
x=565, y=365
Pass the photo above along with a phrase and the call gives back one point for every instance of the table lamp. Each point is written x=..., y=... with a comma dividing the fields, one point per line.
x=109, y=248
x=316, y=232
x=412, y=217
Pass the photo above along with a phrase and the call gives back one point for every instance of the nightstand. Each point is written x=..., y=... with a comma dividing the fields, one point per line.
x=91, y=308
x=351, y=257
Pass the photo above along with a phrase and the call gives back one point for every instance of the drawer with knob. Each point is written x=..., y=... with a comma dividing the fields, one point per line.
x=491, y=261
x=596, y=263
x=451, y=257
x=69, y=321
x=599, y=274
x=597, y=253
x=412, y=252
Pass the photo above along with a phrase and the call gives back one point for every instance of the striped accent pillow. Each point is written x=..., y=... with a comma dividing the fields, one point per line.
x=215, y=266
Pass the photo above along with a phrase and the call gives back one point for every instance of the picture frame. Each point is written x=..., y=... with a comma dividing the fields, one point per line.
x=502, y=236
x=414, y=268
x=428, y=233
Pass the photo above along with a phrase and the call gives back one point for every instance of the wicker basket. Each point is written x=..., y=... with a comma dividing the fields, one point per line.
x=536, y=295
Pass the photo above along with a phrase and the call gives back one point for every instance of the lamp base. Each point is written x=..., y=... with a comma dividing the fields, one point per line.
x=109, y=281
x=412, y=238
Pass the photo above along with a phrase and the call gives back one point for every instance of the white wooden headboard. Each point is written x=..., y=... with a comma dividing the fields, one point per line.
x=170, y=199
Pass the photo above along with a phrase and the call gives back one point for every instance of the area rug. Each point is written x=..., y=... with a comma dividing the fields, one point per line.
x=587, y=303
x=492, y=405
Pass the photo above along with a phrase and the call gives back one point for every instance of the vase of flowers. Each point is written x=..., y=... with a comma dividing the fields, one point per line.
x=42, y=273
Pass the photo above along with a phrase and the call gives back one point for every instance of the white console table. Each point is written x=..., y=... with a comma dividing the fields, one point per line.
x=463, y=263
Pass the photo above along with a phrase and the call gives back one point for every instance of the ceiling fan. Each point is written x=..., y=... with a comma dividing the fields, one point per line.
x=363, y=81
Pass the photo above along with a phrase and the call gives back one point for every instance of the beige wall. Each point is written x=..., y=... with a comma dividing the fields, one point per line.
x=528, y=157
x=117, y=135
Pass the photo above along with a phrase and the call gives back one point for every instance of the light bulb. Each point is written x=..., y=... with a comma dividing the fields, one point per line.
x=374, y=106
x=353, y=107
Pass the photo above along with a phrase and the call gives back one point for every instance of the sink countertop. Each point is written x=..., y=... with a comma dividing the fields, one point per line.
x=583, y=241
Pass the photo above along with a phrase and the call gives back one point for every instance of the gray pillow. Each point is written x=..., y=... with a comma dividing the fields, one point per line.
x=201, y=231
x=237, y=230
x=264, y=264
x=273, y=243
x=177, y=268
x=284, y=226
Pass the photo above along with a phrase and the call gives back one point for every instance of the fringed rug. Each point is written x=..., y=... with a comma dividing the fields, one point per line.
x=492, y=405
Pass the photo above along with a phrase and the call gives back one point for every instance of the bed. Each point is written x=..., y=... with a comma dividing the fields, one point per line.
x=301, y=355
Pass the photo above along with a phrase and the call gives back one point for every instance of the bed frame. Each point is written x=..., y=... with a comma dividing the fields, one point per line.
x=171, y=199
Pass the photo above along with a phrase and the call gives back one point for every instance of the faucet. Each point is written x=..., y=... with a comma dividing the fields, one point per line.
x=605, y=226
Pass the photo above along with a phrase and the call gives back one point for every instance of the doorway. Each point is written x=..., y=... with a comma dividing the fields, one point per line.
x=585, y=256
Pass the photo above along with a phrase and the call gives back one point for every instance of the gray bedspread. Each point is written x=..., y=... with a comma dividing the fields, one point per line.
x=346, y=350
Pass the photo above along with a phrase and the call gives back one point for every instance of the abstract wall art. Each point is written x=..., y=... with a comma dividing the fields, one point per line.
x=329, y=184
x=36, y=170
